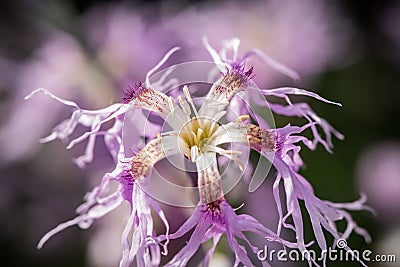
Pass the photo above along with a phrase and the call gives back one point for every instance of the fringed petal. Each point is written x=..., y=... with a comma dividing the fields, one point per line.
x=210, y=222
x=323, y=214
x=85, y=220
x=275, y=65
x=303, y=110
x=184, y=255
x=239, y=250
x=88, y=118
x=283, y=92
x=143, y=245
x=216, y=237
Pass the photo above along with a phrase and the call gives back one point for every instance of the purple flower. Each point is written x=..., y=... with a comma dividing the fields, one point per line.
x=200, y=136
x=62, y=65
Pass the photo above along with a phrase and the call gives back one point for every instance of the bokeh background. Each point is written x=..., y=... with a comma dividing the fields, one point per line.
x=89, y=51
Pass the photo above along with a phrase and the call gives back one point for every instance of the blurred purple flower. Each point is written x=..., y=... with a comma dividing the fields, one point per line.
x=307, y=35
x=125, y=40
x=116, y=40
x=378, y=175
x=389, y=21
x=60, y=64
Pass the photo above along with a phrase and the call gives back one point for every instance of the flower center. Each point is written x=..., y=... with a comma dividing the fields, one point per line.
x=197, y=135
